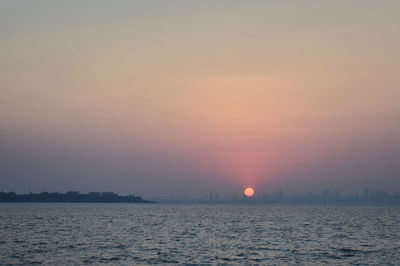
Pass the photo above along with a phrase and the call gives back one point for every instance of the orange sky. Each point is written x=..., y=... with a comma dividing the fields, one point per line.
x=268, y=94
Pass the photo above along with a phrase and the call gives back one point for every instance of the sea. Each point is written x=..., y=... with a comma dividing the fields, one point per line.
x=193, y=234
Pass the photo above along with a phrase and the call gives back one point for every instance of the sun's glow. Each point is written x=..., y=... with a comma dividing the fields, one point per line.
x=249, y=192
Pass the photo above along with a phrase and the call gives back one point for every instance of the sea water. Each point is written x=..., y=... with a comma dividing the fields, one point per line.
x=131, y=234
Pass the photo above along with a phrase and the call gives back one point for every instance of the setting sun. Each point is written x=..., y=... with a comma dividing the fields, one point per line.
x=249, y=192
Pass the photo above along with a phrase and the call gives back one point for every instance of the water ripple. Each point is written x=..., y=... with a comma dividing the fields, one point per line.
x=198, y=234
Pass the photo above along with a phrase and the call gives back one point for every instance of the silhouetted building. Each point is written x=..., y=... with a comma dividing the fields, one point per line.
x=107, y=194
x=211, y=196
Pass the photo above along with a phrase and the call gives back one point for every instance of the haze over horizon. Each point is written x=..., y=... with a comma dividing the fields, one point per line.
x=187, y=97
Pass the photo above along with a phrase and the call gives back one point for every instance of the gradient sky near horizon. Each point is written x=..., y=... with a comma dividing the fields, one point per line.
x=162, y=98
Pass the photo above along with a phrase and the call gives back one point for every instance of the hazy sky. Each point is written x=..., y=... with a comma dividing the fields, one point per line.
x=186, y=97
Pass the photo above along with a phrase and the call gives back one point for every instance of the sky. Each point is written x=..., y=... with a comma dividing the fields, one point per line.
x=161, y=98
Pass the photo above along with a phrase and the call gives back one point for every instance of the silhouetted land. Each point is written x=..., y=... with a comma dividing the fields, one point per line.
x=71, y=196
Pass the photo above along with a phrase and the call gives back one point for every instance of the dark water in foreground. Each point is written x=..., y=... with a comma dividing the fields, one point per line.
x=55, y=233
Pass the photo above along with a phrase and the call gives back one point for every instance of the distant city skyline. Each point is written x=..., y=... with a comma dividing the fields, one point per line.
x=325, y=196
